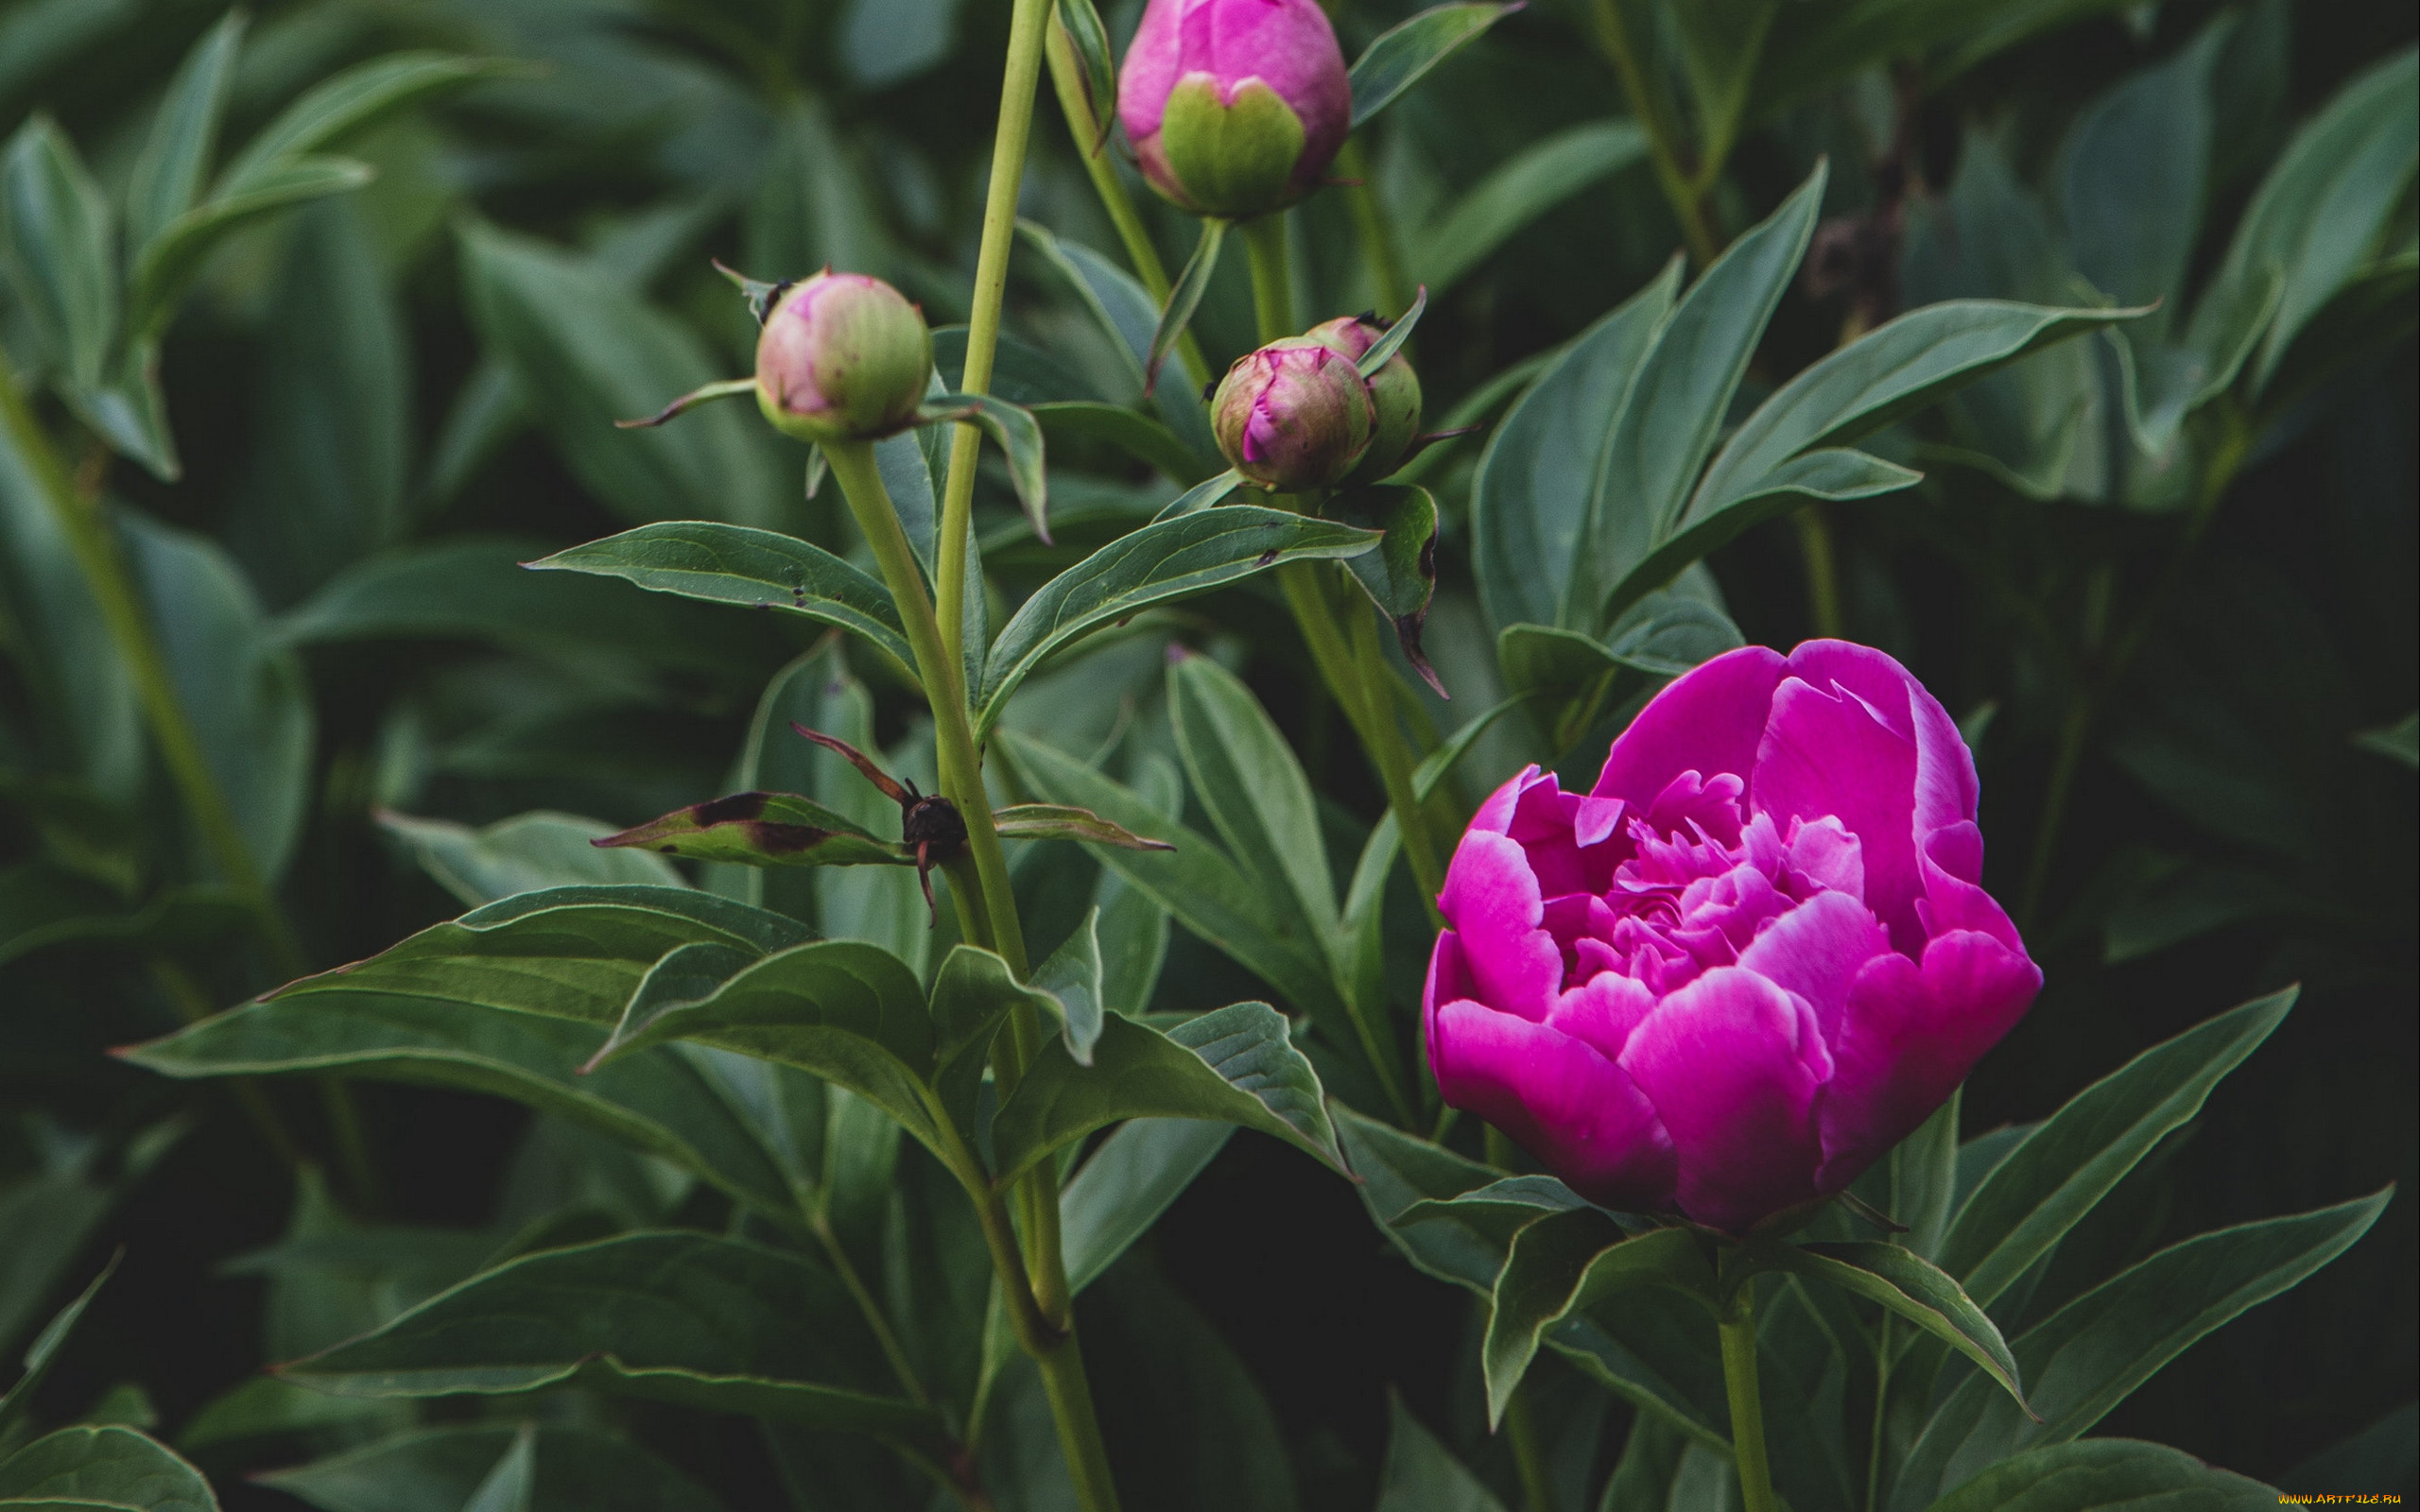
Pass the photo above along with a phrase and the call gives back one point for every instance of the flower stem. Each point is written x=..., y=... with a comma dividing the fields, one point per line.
x=1822, y=571
x=1020, y=78
x=1369, y=226
x=1681, y=188
x=1273, y=281
x=1739, y=1331
x=1034, y=1278
x=1066, y=78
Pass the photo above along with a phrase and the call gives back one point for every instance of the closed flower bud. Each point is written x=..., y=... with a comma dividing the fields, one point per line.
x=842, y=357
x=1293, y=416
x=1235, y=107
x=1395, y=390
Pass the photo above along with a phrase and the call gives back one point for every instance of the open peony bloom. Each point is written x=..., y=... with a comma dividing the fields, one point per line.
x=1754, y=958
x=1235, y=106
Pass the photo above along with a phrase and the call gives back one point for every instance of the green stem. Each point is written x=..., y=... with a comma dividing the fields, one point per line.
x=846, y=1269
x=1681, y=188
x=1020, y=78
x=1371, y=227
x=86, y=528
x=1822, y=571
x=1272, y=281
x=1067, y=81
x=1883, y=1356
x=1739, y=1331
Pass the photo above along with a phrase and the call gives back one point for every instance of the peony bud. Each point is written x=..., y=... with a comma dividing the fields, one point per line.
x=1745, y=965
x=1235, y=107
x=1293, y=416
x=842, y=357
x=1394, y=390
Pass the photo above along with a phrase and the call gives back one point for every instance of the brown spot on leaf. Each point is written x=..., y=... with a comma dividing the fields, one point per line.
x=737, y=809
x=786, y=839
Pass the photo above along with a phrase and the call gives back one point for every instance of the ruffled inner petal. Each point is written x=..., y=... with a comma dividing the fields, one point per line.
x=1824, y=755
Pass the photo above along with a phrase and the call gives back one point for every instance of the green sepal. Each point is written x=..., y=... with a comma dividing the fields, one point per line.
x=1235, y=159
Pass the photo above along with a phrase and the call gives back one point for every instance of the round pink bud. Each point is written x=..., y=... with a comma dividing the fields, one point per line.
x=1235, y=106
x=1394, y=390
x=1293, y=416
x=842, y=357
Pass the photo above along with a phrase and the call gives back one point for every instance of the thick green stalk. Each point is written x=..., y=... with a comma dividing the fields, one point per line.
x=1035, y=1277
x=1272, y=281
x=1371, y=227
x=1019, y=79
x=1738, y=1331
x=1681, y=188
x=1067, y=81
x=1823, y=572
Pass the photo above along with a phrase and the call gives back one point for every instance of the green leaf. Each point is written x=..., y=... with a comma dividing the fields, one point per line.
x=758, y=568
x=1916, y=1184
x=103, y=1470
x=1072, y=978
x=1247, y=779
x=1404, y=54
x=510, y=1486
x=1193, y=882
x=1202, y=495
x=41, y=1354
x=2132, y=175
x=245, y=696
x=599, y=353
x=1566, y=1262
x=1089, y=40
x=1517, y=191
x=523, y=853
x=165, y=265
x=703, y=1322
x=358, y=97
x=2091, y=1355
x=2397, y=741
x=763, y=830
x=1137, y=434
x=1572, y=681
x=1911, y=1286
x=1126, y=313
x=2320, y=214
x=2107, y=1476
x=176, y=155
x=1676, y=407
x=1017, y=434
x=87, y=724
x=579, y=1470
x=43, y=905
x=1401, y=576
x=1530, y=501
x=1185, y=297
x=1123, y=1187
x=1064, y=821
x=849, y=1012
x=2387, y=1452
x=60, y=250
x=1721, y=43
x=2069, y=1163
x=1235, y=1065
x=1171, y=558
x=1420, y=1474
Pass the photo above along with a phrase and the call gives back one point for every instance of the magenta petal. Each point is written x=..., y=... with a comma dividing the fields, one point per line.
x=1709, y=721
x=1910, y=1036
x=1816, y=951
x=1558, y=1099
x=1947, y=790
x=1733, y=1065
x=1825, y=754
x=1491, y=900
x=1602, y=1012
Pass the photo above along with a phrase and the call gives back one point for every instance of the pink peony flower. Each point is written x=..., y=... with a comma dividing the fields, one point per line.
x=1294, y=415
x=1750, y=961
x=1235, y=106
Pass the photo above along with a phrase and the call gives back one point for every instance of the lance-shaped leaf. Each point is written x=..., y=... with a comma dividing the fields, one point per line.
x=850, y=1012
x=1524, y=1198
x=1124, y=1186
x=1128, y=315
x=1170, y=559
x=757, y=569
x=108, y=1468
x=763, y=830
x=1185, y=297
x=355, y=98
x=1064, y=821
x=2107, y=1476
x=170, y=260
x=1072, y=979
x=1017, y=434
x=2091, y=1355
x=176, y=155
x=1235, y=1065
x=704, y=1322
x=1089, y=41
x=1914, y=1288
x=1518, y=190
x=1566, y=1262
x=2064, y=1168
x=57, y=248
x=44, y=1352
x=1397, y=334
x=1404, y=54
x=1202, y=495
x=1401, y=576
x=579, y=1470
